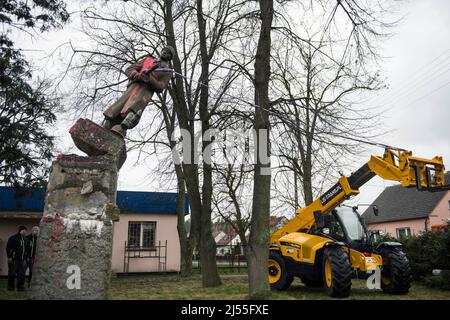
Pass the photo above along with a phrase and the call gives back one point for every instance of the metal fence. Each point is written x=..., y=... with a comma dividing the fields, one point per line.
x=158, y=252
x=230, y=257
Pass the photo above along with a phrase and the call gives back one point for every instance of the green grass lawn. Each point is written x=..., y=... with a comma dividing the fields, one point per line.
x=234, y=288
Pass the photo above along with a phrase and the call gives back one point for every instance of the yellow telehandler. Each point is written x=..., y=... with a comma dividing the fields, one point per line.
x=326, y=243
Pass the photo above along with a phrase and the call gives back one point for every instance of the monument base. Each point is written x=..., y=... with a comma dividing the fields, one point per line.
x=74, y=250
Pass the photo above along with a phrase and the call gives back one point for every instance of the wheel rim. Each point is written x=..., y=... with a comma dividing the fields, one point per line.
x=274, y=271
x=328, y=273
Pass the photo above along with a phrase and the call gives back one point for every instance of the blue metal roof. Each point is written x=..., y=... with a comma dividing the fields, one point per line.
x=11, y=199
x=127, y=201
x=149, y=202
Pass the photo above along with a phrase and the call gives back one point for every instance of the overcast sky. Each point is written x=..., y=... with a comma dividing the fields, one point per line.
x=417, y=103
x=417, y=65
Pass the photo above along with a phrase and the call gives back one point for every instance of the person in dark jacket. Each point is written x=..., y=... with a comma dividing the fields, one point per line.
x=16, y=251
x=31, y=251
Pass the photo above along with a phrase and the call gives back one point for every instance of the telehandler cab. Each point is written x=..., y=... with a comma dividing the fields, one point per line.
x=326, y=242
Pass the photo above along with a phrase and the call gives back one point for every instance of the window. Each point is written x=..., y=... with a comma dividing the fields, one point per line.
x=335, y=230
x=376, y=235
x=141, y=234
x=403, y=232
x=351, y=223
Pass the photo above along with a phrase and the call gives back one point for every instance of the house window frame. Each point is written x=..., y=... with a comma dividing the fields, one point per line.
x=408, y=233
x=152, y=235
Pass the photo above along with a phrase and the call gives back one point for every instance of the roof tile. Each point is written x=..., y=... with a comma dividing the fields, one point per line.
x=398, y=203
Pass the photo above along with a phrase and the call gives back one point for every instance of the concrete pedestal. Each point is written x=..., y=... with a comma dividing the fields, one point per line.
x=73, y=258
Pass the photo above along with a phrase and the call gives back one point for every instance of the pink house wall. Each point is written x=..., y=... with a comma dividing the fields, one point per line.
x=166, y=229
x=8, y=227
x=416, y=226
x=439, y=215
x=441, y=212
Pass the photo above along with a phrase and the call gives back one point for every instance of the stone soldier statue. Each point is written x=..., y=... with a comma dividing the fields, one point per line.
x=147, y=76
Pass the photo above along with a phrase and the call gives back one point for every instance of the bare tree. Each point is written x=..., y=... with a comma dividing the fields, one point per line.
x=233, y=179
x=187, y=241
x=228, y=200
x=257, y=253
x=322, y=106
x=217, y=24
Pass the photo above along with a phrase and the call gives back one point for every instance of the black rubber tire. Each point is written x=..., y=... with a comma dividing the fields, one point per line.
x=341, y=272
x=396, y=268
x=312, y=283
x=285, y=279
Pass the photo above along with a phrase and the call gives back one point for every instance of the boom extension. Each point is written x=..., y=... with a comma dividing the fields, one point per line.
x=423, y=174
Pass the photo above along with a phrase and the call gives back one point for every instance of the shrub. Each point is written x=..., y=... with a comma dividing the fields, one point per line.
x=445, y=280
x=441, y=281
x=428, y=251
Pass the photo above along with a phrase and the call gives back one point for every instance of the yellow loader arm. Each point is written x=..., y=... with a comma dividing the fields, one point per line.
x=423, y=174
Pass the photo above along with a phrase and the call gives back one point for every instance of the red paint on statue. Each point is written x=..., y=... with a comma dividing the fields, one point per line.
x=133, y=93
x=149, y=64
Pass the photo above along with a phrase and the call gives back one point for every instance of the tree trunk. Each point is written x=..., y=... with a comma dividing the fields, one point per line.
x=190, y=168
x=307, y=184
x=207, y=248
x=310, y=125
x=186, y=243
x=207, y=245
x=199, y=202
x=258, y=251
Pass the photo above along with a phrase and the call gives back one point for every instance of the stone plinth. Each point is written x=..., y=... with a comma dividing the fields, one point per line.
x=75, y=243
x=97, y=141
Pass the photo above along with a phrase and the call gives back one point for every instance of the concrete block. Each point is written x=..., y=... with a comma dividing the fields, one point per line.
x=97, y=141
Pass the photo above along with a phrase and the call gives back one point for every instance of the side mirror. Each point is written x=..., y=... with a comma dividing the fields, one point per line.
x=375, y=210
x=322, y=220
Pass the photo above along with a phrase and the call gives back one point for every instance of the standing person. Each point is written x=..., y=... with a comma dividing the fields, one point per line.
x=146, y=77
x=16, y=251
x=31, y=251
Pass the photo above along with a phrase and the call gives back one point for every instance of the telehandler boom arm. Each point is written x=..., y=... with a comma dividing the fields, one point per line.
x=423, y=174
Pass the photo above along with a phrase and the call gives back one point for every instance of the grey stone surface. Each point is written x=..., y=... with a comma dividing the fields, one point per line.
x=87, y=188
x=96, y=141
x=76, y=230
